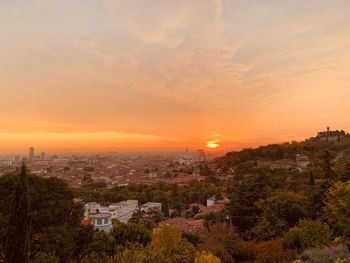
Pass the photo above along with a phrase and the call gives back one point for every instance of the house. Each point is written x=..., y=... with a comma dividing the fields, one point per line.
x=102, y=222
x=302, y=162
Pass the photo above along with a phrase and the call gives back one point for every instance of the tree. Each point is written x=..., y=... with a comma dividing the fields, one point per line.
x=102, y=245
x=280, y=212
x=272, y=252
x=311, y=178
x=328, y=173
x=244, y=213
x=125, y=234
x=46, y=258
x=307, y=234
x=17, y=238
x=82, y=236
x=61, y=242
x=170, y=247
x=51, y=205
x=346, y=175
x=337, y=208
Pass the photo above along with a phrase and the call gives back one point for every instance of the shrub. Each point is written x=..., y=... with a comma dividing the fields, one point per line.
x=46, y=258
x=205, y=257
x=272, y=252
x=326, y=254
x=344, y=260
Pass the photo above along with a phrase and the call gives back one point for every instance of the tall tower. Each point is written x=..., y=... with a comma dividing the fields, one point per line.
x=31, y=155
x=328, y=133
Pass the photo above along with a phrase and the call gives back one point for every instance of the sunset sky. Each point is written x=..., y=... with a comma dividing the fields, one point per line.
x=91, y=75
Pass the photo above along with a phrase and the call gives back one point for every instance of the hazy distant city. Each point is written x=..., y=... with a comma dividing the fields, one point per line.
x=112, y=168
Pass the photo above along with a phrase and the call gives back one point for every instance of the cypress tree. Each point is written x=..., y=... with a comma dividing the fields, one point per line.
x=328, y=173
x=17, y=238
x=311, y=179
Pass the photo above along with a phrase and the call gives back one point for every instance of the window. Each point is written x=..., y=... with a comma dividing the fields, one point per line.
x=98, y=221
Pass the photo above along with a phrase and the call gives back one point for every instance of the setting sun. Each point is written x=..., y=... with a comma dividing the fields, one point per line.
x=212, y=144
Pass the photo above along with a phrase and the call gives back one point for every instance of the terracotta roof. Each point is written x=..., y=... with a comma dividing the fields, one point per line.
x=186, y=225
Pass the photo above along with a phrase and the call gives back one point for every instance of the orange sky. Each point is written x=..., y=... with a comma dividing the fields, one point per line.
x=164, y=75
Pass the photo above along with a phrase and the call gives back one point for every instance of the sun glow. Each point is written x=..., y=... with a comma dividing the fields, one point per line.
x=212, y=144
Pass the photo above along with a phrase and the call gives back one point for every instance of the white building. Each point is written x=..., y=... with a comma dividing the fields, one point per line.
x=121, y=211
x=102, y=222
x=151, y=207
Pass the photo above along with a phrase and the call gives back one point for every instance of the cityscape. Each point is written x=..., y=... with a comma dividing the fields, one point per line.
x=113, y=168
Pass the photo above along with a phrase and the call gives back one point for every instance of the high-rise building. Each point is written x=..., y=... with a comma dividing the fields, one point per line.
x=43, y=156
x=31, y=155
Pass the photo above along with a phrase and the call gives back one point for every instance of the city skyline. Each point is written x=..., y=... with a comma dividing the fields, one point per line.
x=92, y=76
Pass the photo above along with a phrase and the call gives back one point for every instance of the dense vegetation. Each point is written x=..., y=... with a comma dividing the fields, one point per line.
x=274, y=215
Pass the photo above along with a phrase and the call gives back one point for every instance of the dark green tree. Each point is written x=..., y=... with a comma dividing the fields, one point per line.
x=328, y=172
x=311, y=178
x=125, y=234
x=280, y=212
x=18, y=230
x=244, y=213
x=346, y=175
x=51, y=206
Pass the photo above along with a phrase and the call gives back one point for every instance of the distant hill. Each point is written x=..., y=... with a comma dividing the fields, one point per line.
x=335, y=141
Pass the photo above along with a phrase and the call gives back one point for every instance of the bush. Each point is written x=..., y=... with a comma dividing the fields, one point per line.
x=307, y=234
x=344, y=260
x=325, y=255
x=46, y=258
x=205, y=257
x=272, y=252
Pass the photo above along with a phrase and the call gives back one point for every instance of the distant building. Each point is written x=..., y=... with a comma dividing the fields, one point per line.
x=302, y=162
x=285, y=164
x=17, y=158
x=330, y=136
x=187, y=158
x=31, y=154
x=5, y=162
x=43, y=156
